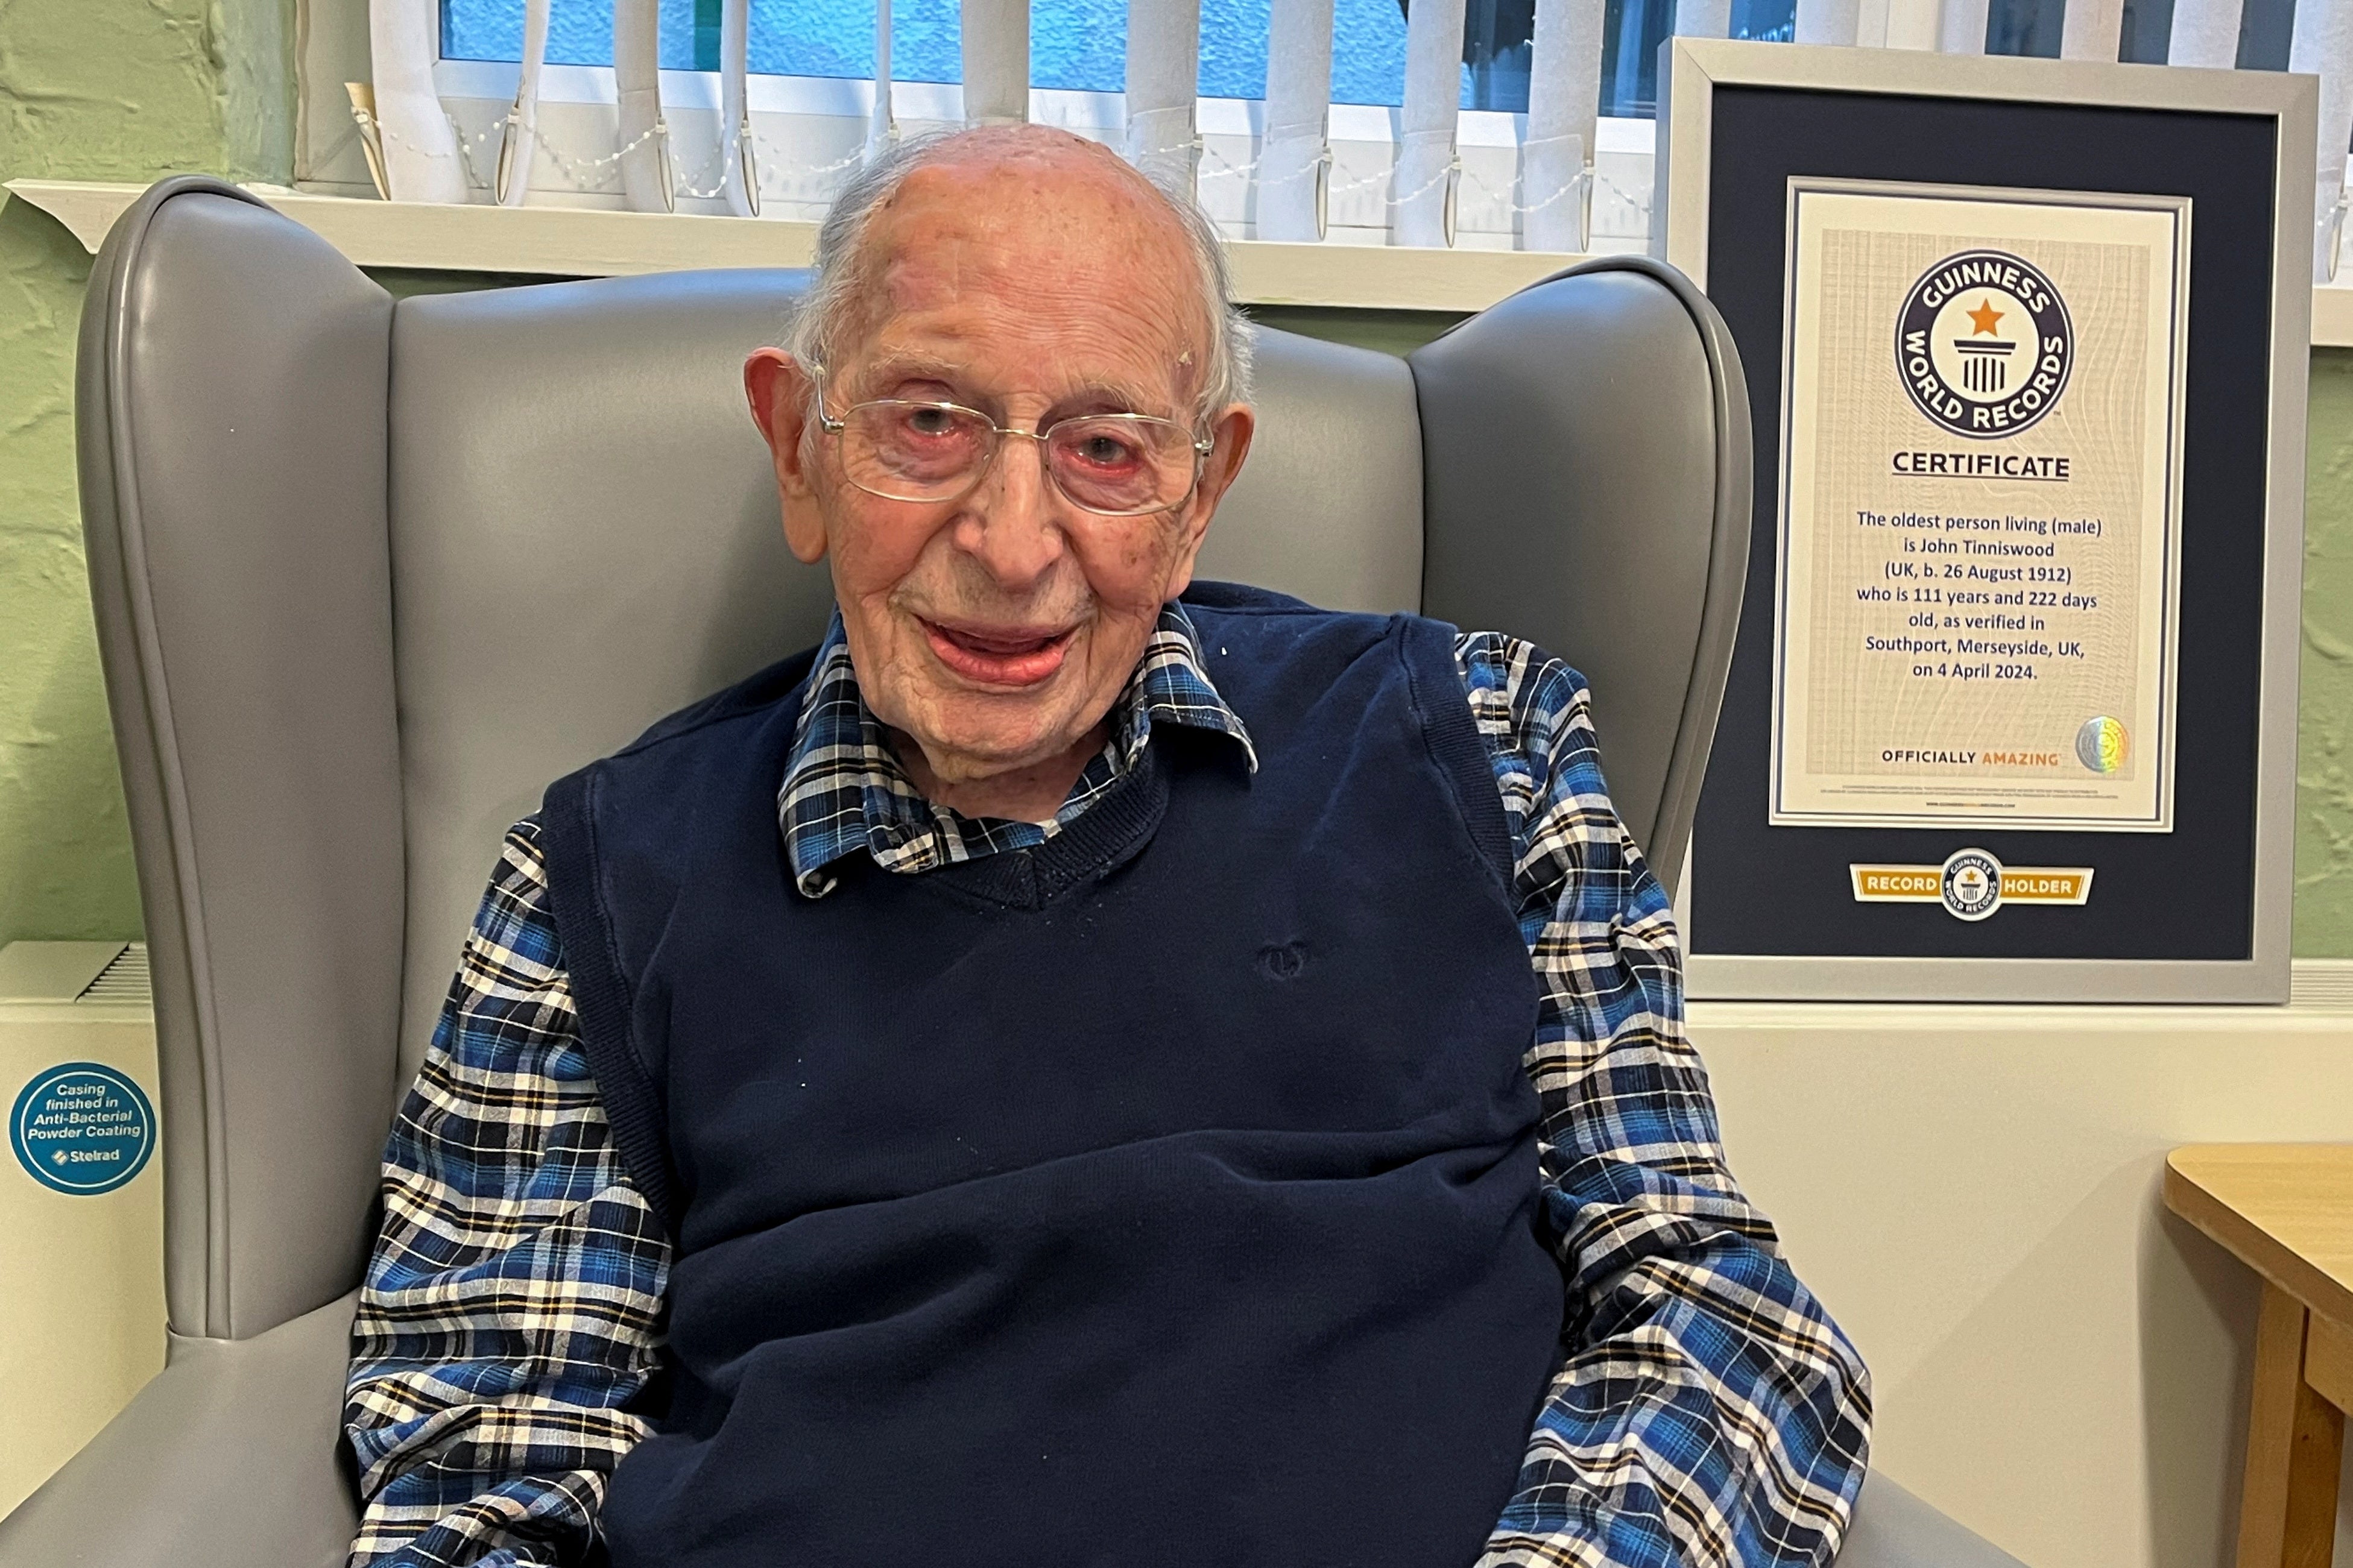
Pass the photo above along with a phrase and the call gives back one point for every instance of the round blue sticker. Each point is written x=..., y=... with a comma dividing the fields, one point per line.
x=82, y=1128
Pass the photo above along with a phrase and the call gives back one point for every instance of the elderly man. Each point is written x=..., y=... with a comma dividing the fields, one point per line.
x=1081, y=1067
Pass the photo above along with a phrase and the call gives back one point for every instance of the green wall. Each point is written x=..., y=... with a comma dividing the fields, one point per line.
x=133, y=89
x=2323, y=773
x=105, y=90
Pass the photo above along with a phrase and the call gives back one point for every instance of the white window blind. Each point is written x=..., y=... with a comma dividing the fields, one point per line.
x=881, y=121
x=1563, y=113
x=1294, y=160
x=2322, y=44
x=996, y=62
x=421, y=158
x=2091, y=30
x=1825, y=21
x=1421, y=200
x=2205, y=33
x=1702, y=18
x=739, y=179
x=644, y=139
x=1546, y=161
x=1163, y=52
x=519, y=145
x=1963, y=31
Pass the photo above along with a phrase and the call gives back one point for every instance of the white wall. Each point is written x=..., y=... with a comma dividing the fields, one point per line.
x=2058, y=1362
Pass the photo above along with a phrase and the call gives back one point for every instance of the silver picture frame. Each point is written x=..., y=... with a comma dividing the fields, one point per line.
x=1692, y=71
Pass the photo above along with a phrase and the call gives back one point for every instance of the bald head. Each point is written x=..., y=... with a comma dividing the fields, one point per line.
x=1052, y=212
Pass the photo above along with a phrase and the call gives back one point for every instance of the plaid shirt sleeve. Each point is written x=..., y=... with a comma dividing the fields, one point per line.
x=512, y=1304
x=1707, y=1412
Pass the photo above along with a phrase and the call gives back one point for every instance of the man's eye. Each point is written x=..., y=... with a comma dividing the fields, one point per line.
x=1101, y=450
x=929, y=422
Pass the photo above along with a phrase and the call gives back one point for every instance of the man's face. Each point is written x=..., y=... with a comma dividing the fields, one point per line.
x=997, y=629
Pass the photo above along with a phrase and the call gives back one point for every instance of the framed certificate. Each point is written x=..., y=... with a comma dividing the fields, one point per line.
x=2012, y=710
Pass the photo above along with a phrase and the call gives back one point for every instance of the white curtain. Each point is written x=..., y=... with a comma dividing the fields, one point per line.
x=996, y=62
x=1164, y=63
x=519, y=147
x=739, y=175
x=643, y=138
x=1421, y=199
x=1295, y=157
x=2322, y=44
x=422, y=161
x=1564, y=112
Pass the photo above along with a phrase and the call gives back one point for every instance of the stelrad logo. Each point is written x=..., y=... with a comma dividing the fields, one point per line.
x=1984, y=344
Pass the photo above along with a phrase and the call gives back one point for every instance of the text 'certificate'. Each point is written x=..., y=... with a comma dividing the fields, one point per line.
x=1978, y=549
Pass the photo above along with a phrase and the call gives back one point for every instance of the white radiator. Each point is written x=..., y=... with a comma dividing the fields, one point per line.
x=82, y=1200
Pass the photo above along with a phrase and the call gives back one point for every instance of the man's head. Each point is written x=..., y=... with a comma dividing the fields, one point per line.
x=1034, y=278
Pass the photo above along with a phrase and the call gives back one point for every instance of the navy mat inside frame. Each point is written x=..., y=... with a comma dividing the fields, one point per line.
x=1756, y=890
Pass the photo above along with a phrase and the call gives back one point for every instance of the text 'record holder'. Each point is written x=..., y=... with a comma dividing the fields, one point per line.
x=2012, y=715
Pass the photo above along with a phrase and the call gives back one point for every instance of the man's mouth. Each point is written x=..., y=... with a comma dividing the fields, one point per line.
x=1000, y=655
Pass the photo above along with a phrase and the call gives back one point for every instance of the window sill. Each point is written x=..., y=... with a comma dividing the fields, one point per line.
x=596, y=242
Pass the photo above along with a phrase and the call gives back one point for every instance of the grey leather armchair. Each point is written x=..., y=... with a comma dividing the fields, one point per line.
x=369, y=574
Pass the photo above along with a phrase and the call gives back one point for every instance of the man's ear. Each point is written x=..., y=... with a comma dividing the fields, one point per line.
x=783, y=398
x=1231, y=432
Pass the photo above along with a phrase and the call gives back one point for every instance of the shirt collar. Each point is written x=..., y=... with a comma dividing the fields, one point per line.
x=844, y=790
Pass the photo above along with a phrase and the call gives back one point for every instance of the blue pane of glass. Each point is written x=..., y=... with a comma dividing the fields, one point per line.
x=1632, y=31
x=481, y=30
x=2146, y=30
x=678, y=19
x=1078, y=45
x=1496, y=37
x=815, y=37
x=2266, y=29
x=1367, y=52
x=1775, y=21
x=579, y=33
x=1233, y=48
x=926, y=40
x=1074, y=44
x=2025, y=28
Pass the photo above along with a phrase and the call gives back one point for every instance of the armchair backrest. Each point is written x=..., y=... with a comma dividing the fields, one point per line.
x=369, y=574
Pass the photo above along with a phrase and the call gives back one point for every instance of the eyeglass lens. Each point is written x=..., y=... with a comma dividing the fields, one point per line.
x=1120, y=465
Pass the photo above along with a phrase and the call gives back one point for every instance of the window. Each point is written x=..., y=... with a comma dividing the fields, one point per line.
x=1081, y=45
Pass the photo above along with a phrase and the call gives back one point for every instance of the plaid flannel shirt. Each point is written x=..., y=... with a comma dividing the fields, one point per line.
x=1705, y=1412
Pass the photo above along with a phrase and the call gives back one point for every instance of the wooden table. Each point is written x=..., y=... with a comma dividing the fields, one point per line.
x=2286, y=1210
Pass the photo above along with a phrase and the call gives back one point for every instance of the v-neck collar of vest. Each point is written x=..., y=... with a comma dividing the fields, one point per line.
x=1106, y=835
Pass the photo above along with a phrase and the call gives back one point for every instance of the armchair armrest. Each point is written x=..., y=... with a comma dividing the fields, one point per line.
x=228, y=1460
x=1892, y=1529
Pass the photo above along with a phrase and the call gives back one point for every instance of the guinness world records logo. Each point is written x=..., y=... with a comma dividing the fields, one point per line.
x=1971, y=884
x=1984, y=343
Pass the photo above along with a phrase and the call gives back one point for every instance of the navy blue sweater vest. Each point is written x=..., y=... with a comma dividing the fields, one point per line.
x=1162, y=1195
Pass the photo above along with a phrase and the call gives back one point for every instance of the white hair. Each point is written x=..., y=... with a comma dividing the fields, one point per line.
x=833, y=296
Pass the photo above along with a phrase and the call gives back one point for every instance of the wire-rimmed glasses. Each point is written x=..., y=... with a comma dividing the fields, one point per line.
x=1115, y=465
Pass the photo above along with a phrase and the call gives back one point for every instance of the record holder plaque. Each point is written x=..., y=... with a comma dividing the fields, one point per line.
x=2011, y=713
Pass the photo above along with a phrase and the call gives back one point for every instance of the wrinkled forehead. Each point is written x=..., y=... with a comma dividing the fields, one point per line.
x=1047, y=266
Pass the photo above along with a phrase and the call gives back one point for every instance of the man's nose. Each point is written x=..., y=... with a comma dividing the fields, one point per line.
x=1012, y=521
